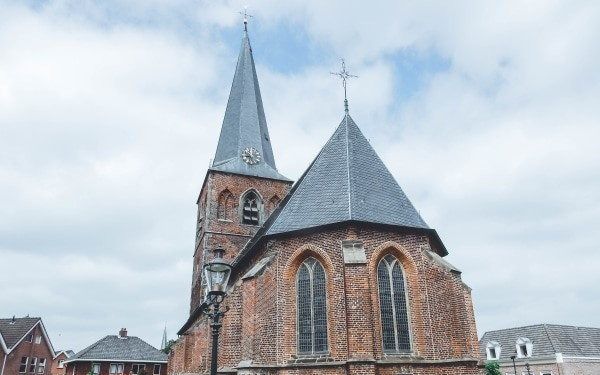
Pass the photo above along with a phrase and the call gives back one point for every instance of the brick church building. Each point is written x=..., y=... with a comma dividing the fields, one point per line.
x=335, y=274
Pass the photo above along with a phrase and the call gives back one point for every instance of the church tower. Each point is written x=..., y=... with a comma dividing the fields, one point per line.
x=337, y=275
x=242, y=186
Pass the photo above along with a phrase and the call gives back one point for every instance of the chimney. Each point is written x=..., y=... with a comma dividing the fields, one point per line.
x=123, y=333
x=13, y=320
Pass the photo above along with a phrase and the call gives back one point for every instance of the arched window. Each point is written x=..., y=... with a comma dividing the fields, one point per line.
x=250, y=210
x=392, y=302
x=273, y=203
x=225, y=208
x=312, y=310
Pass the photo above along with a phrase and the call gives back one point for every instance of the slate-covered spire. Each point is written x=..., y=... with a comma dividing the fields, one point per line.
x=244, y=144
x=347, y=181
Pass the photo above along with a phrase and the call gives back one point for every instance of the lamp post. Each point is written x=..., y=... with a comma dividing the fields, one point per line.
x=217, y=274
x=514, y=365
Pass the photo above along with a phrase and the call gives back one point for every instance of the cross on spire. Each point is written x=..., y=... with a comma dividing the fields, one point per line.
x=246, y=15
x=344, y=74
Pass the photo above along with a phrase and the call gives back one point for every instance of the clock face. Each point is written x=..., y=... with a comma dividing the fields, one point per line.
x=251, y=155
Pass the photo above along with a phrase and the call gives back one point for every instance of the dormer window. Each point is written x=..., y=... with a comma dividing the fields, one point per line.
x=493, y=350
x=250, y=210
x=524, y=347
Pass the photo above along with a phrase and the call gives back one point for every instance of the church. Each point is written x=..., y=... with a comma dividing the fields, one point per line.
x=336, y=273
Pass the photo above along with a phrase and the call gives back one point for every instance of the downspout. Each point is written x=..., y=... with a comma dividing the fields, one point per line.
x=3, y=363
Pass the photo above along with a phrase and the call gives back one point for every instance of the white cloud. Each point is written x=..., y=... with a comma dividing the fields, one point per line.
x=109, y=115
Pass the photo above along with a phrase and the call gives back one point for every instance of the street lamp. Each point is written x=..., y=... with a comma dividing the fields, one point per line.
x=217, y=274
x=514, y=365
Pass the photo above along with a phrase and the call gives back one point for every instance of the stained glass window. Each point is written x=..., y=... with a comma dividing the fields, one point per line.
x=312, y=308
x=392, y=302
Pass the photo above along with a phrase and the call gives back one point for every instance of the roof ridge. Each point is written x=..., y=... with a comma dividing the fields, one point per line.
x=348, y=165
x=550, y=338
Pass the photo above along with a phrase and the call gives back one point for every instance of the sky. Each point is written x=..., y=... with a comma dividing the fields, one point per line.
x=486, y=112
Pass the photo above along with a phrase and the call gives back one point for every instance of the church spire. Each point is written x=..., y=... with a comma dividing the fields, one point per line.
x=244, y=144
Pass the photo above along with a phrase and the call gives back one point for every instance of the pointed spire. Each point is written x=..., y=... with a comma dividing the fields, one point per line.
x=163, y=343
x=244, y=144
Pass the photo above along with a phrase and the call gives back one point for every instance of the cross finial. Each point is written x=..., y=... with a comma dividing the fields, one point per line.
x=246, y=15
x=344, y=74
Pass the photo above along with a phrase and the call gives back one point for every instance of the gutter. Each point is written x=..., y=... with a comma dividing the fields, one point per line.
x=3, y=364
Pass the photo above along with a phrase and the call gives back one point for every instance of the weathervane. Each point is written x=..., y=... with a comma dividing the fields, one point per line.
x=344, y=75
x=246, y=15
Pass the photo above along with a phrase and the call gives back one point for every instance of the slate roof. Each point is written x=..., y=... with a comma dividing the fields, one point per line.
x=13, y=332
x=245, y=124
x=547, y=340
x=347, y=181
x=128, y=349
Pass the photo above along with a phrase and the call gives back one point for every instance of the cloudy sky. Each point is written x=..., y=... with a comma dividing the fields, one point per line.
x=487, y=113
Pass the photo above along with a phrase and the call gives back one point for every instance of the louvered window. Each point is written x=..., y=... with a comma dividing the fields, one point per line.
x=250, y=212
x=392, y=302
x=312, y=309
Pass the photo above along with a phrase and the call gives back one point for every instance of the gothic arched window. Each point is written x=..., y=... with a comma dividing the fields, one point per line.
x=273, y=203
x=312, y=310
x=250, y=209
x=225, y=205
x=392, y=302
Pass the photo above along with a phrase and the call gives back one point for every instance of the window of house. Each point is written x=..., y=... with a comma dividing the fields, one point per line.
x=38, y=339
x=524, y=347
x=136, y=367
x=95, y=368
x=250, y=209
x=41, y=366
x=156, y=369
x=23, y=365
x=32, y=364
x=61, y=363
x=29, y=337
x=493, y=350
x=116, y=368
x=312, y=310
x=392, y=302
x=546, y=373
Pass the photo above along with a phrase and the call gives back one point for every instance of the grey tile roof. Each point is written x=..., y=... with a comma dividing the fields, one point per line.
x=245, y=124
x=346, y=182
x=12, y=332
x=547, y=340
x=127, y=349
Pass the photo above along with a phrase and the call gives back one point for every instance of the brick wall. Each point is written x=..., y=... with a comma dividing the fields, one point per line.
x=30, y=350
x=55, y=369
x=229, y=234
x=259, y=331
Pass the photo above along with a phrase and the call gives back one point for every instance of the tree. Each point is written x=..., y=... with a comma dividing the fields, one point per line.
x=167, y=348
x=492, y=368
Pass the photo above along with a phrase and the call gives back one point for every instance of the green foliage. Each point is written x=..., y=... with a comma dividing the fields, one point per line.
x=167, y=348
x=492, y=368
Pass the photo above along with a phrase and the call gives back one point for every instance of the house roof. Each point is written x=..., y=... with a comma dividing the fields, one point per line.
x=12, y=330
x=113, y=347
x=547, y=340
x=346, y=182
x=244, y=124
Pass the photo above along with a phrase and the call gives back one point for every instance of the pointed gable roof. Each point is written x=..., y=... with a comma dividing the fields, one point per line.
x=346, y=182
x=12, y=330
x=245, y=125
